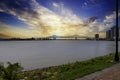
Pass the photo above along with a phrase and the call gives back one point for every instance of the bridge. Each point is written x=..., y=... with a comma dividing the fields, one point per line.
x=68, y=37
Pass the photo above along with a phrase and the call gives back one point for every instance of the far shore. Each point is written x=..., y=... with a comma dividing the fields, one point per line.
x=44, y=39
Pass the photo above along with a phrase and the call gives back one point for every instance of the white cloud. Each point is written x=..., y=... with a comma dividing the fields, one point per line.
x=62, y=22
x=110, y=17
x=1, y=10
x=85, y=3
x=67, y=15
x=56, y=5
x=109, y=20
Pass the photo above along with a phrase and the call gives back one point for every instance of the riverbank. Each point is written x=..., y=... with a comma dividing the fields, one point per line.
x=111, y=73
x=70, y=71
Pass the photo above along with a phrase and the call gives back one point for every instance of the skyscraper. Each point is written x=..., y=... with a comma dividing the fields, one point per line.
x=111, y=34
x=96, y=36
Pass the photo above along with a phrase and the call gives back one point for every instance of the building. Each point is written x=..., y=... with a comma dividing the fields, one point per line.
x=108, y=35
x=96, y=36
x=111, y=34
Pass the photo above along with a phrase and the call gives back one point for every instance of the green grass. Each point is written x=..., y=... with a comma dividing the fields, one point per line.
x=71, y=71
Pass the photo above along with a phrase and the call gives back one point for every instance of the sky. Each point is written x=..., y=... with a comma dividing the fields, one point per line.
x=44, y=18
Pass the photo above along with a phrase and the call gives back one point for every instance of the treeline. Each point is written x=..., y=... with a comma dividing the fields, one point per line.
x=23, y=39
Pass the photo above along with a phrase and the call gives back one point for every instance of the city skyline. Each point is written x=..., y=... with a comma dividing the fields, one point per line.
x=39, y=18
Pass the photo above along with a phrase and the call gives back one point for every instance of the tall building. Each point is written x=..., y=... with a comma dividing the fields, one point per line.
x=113, y=31
x=111, y=34
x=96, y=36
x=108, y=33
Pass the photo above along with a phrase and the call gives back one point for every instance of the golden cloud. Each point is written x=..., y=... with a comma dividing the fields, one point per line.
x=44, y=22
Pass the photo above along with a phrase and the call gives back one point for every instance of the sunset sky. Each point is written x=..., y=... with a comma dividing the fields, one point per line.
x=42, y=18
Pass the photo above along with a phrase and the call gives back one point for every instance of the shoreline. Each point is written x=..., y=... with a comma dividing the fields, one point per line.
x=80, y=68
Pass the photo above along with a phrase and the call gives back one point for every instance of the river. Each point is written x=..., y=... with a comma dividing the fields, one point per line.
x=39, y=54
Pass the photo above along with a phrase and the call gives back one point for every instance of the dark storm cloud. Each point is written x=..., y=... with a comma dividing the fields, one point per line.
x=15, y=4
x=9, y=19
x=19, y=6
x=92, y=19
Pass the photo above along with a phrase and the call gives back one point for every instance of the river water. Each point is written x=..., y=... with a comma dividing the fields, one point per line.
x=39, y=54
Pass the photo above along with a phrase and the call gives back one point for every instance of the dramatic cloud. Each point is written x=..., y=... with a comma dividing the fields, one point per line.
x=109, y=20
x=67, y=15
x=42, y=22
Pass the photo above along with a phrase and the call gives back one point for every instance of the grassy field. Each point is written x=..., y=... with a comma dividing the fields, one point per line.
x=70, y=71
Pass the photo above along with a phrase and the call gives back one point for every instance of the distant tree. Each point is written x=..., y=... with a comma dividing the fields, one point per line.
x=1, y=78
x=10, y=72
